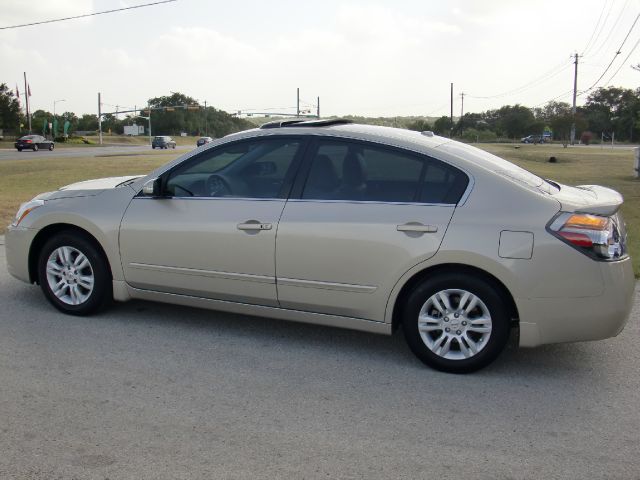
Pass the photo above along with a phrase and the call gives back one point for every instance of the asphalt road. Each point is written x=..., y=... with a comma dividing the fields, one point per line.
x=73, y=152
x=149, y=391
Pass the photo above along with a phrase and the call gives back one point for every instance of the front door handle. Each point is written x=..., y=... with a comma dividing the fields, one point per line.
x=254, y=225
x=417, y=227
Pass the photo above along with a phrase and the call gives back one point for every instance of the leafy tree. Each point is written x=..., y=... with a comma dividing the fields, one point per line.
x=419, y=125
x=514, y=121
x=614, y=109
x=88, y=122
x=9, y=109
x=72, y=118
x=176, y=113
x=40, y=120
x=443, y=125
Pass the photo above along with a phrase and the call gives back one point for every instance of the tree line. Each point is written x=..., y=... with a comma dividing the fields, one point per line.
x=608, y=112
x=170, y=115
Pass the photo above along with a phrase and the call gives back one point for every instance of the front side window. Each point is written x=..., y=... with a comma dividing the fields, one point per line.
x=352, y=171
x=251, y=169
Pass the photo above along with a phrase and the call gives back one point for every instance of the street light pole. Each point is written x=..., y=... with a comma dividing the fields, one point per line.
x=54, y=115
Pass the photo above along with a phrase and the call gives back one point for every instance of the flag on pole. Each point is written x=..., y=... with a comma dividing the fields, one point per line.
x=17, y=94
x=28, y=89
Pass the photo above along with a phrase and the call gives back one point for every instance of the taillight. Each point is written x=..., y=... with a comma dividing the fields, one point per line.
x=600, y=237
x=27, y=141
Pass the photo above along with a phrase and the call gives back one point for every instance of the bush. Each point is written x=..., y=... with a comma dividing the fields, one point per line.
x=72, y=140
x=472, y=135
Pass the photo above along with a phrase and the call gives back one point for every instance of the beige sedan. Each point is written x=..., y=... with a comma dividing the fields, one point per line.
x=352, y=226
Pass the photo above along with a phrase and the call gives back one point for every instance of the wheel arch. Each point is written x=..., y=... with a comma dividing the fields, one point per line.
x=50, y=230
x=459, y=268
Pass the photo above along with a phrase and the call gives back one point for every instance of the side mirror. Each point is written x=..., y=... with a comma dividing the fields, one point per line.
x=152, y=188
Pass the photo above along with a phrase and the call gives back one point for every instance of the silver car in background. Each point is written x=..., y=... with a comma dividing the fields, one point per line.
x=353, y=226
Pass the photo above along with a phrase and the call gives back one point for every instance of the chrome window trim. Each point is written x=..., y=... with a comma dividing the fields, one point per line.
x=144, y=197
x=372, y=202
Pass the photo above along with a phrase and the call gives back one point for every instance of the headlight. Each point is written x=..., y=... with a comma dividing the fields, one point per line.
x=25, y=209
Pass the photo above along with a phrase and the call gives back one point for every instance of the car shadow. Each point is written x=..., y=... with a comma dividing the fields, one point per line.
x=560, y=361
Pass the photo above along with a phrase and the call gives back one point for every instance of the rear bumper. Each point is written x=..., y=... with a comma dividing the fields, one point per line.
x=17, y=244
x=557, y=320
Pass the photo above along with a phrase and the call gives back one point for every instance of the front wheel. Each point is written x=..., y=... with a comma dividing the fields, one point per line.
x=35, y=148
x=50, y=147
x=456, y=322
x=74, y=275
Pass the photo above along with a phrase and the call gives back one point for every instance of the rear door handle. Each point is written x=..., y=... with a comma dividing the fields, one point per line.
x=254, y=225
x=417, y=227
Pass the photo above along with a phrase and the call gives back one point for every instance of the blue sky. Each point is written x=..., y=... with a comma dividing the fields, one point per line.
x=361, y=57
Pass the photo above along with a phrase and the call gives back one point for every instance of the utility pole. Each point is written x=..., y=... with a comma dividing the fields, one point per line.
x=100, y=118
x=149, y=107
x=298, y=103
x=461, y=110
x=451, y=114
x=26, y=96
x=575, y=92
x=206, y=127
x=318, y=107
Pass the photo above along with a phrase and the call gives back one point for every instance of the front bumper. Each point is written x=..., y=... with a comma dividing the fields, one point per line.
x=557, y=320
x=17, y=244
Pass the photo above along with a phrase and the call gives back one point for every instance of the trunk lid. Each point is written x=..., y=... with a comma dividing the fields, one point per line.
x=589, y=199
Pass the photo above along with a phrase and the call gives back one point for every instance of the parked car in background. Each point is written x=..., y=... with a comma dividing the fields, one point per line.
x=33, y=142
x=354, y=226
x=203, y=141
x=163, y=141
x=533, y=139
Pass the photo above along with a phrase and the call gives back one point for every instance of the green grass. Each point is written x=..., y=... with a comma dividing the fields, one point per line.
x=21, y=180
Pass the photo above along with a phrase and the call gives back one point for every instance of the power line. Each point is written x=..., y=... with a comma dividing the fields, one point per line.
x=613, y=29
x=87, y=15
x=614, y=57
x=554, y=98
x=586, y=48
x=546, y=76
x=624, y=61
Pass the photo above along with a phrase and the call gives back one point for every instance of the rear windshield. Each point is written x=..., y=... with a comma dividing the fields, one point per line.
x=501, y=166
x=29, y=137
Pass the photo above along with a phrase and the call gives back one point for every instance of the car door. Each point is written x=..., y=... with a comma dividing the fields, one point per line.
x=212, y=232
x=365, y=215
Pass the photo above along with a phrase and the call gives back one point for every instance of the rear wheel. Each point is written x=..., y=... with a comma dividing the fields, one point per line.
x=74, y=275
x=19, y=149
x=456, y=322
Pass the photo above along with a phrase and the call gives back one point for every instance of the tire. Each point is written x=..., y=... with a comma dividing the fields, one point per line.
x=35, y=148
x=153, y=146
x=19, y=149
x=51, y=147
x=76, y=297
x=445, y=337
x=173, y=146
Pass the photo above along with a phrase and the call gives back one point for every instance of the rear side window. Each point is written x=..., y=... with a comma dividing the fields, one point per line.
x=353, y=171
